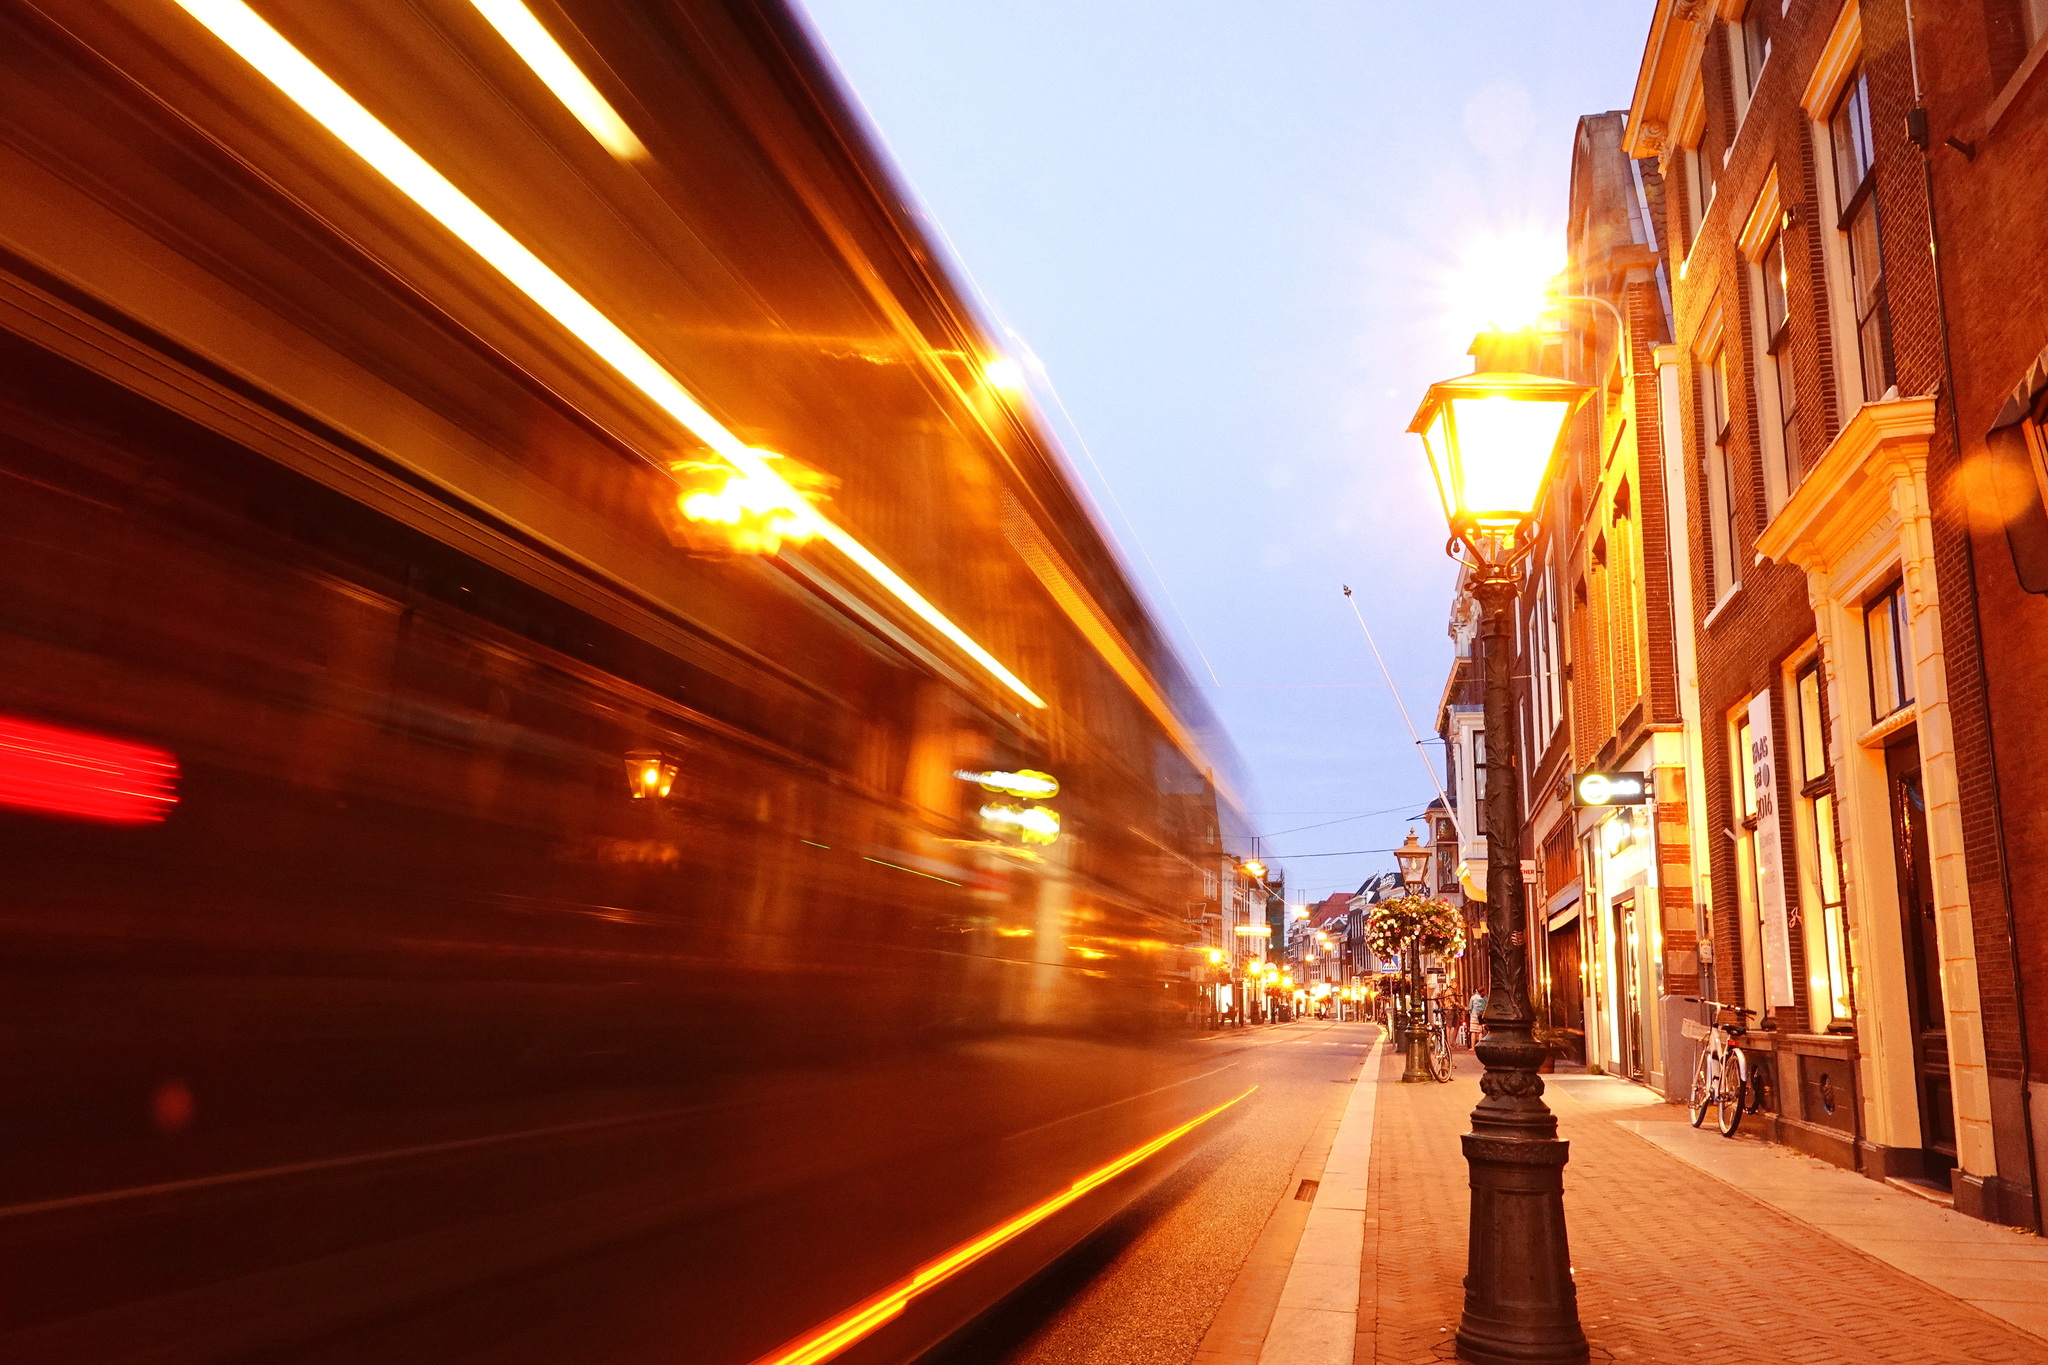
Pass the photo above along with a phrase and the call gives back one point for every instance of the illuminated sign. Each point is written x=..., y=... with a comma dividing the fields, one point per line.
x=1028, y=783
x=1610, y=789
x=1255, y=930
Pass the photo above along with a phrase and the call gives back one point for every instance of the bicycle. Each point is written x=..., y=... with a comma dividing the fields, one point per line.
x=1721, y=1080
x=1439, y=1039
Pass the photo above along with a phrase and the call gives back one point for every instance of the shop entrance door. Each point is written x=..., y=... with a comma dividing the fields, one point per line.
x=1566, y=992
x=1929, y=1021
x=1628, y=999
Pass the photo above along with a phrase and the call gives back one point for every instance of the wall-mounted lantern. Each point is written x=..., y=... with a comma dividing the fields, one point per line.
x=648, y=774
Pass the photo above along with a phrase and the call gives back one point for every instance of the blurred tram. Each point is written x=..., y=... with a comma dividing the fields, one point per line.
x=576, y=783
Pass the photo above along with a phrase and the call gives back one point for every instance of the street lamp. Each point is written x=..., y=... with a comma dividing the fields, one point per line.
x=1493, y=440
x=1413, y=860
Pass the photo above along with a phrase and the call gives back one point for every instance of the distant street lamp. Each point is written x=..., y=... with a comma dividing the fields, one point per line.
x=1493, y=440
x=1413, y=860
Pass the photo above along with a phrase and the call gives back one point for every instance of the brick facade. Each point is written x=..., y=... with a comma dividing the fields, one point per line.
x=1966, y=334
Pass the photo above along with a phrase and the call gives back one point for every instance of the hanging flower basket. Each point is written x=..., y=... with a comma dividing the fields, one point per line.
x=1392, y=925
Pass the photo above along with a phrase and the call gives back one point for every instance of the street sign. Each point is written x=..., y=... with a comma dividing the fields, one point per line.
x=1610, y=789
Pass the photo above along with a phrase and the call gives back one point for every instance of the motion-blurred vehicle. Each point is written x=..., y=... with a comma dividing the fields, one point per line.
x=576, y=780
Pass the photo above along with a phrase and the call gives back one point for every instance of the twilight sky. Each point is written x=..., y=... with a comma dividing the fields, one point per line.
x=1242, y=239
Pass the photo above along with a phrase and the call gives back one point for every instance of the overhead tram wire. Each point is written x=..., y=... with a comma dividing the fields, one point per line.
x=1449, y=810
x=1343, y=820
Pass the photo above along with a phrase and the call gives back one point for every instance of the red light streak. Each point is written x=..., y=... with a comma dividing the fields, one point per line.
x=83, y=776
x=830, y=1338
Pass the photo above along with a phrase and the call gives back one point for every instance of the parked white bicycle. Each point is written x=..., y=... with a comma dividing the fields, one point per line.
x=1721, y=1081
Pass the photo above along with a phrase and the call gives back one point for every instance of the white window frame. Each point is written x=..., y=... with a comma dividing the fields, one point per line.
x=1710, y=357
x=1764, y=226
x=1840, y=61
x=1692, y=132
x=1745, y=84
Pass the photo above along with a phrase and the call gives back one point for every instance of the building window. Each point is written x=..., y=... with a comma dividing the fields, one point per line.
x=1479, y=781
x=1702, y=165
x=1856, y=219
x=1777, y=355
x=1885, y=645
x=1755, y=41
x=1720, y=509
x=1827, y=935
x=1543, y=660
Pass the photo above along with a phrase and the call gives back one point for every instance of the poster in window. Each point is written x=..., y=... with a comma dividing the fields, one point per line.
x=1770, y=858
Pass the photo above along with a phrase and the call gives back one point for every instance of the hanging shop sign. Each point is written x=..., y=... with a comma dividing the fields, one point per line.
x=1610, y=789
x=1772, y=903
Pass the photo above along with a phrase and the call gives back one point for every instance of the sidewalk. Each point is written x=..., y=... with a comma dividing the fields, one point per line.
x=1689, y=1246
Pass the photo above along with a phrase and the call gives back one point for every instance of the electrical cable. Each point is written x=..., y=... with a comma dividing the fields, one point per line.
x=1450, y=811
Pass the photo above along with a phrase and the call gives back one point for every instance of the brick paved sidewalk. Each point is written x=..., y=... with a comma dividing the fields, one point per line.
x=1672, y=1264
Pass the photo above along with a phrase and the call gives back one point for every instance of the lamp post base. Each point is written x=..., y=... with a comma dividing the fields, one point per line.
x=1521, y=1303
x=1418, y=1057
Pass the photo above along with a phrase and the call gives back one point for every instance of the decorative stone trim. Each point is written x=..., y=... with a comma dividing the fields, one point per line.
x=1837, y=59
x=1763, y=218
x=1861, y=517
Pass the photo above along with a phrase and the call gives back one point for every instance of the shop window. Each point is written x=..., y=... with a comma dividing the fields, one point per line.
x=1887, y=652
x=1856, y=221
x=1827, y=930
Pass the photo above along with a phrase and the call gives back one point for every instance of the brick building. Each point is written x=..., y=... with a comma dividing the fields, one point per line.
x=1860, y=880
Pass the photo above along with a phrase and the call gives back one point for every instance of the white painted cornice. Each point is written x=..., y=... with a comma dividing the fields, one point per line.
x=1850, y=490
x=1677, y=32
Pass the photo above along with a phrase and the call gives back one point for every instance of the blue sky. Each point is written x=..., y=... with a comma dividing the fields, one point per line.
x=1242, y=239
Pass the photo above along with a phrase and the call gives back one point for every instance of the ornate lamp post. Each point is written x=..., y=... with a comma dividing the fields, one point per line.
x=1493, y=440
x=1413, y=860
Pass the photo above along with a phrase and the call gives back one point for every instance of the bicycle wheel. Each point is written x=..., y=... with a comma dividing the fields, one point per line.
x=1728, y=1099
x=1439, y=1052
x=1702, y=1089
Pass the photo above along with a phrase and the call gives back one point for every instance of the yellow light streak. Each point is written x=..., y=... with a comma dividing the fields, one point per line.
x=307, y=86
x=828, y=1340
x=537, y=47
x=1028, y=782
x=1033, y=824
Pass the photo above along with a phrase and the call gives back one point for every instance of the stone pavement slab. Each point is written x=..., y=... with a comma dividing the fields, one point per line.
x=1316, y=1322
x=2000, y=1270
x=1672, y=1263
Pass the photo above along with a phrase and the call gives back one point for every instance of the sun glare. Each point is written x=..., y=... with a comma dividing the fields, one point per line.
x=1502, y=280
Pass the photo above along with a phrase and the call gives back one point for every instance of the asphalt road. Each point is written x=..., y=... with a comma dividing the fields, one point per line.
x=1145, y=1290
